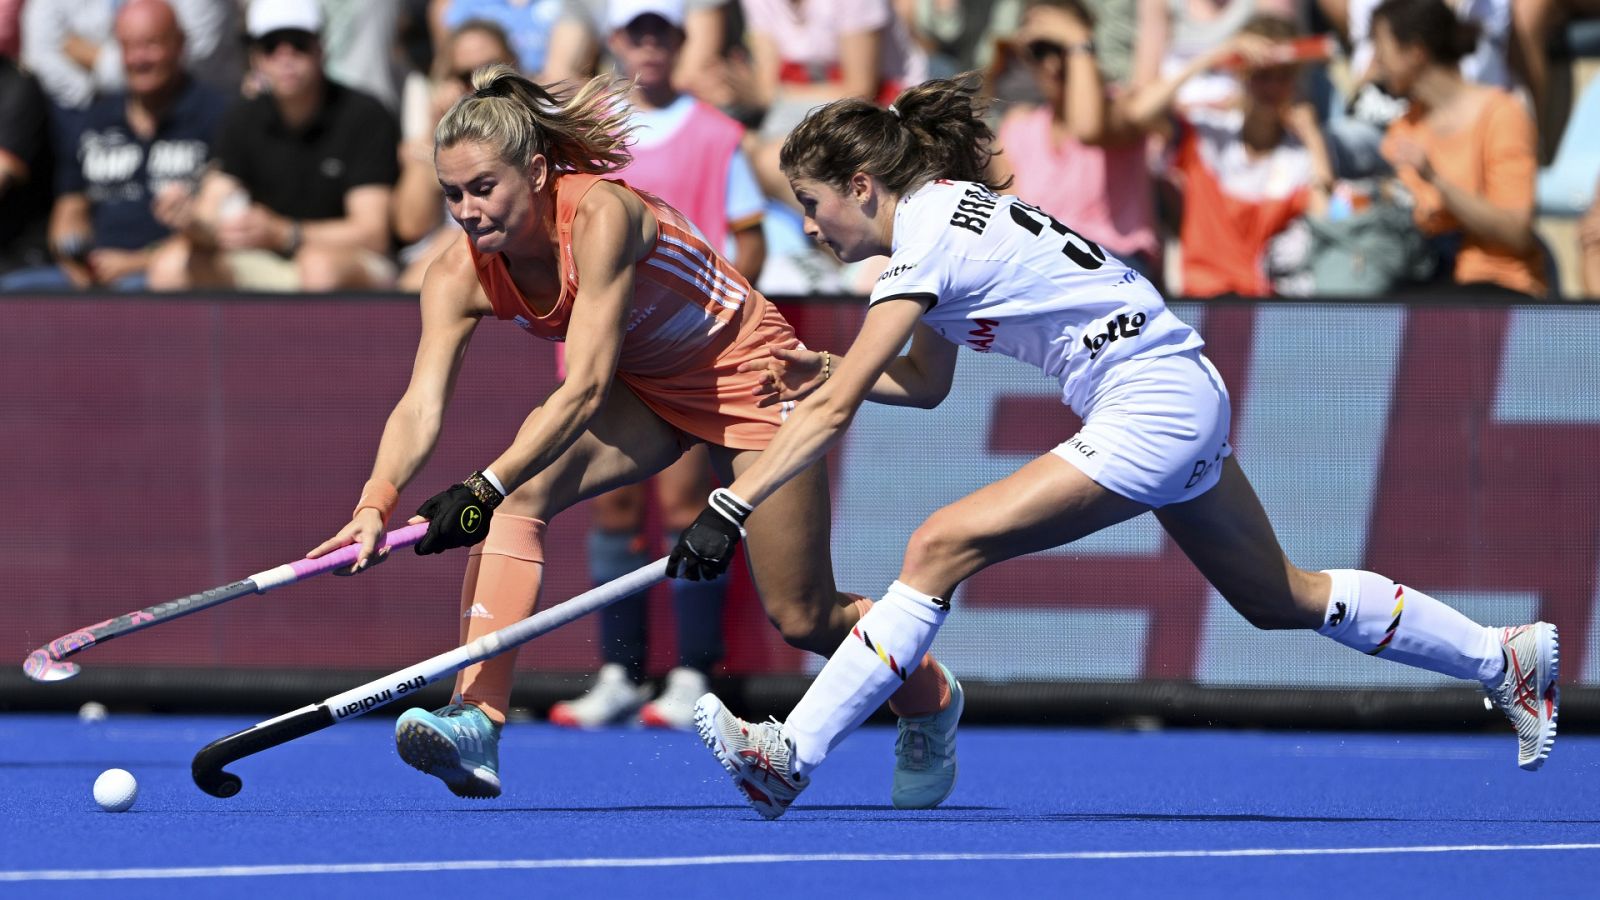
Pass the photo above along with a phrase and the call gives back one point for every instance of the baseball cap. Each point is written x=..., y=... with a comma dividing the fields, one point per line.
x=267, y=16
x=619, y=13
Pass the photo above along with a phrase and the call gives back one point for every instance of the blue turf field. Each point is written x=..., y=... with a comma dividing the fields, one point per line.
x=624, y=813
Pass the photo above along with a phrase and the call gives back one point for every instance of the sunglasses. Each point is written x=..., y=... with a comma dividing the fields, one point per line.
x=299, y=41
x=1039, y=51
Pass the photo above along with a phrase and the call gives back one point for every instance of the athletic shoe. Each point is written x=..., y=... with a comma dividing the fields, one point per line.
x=613, y=698
x=756, y=754
x=457, y=744
x=925, y=753
x=674, y=706
x=1528, y=693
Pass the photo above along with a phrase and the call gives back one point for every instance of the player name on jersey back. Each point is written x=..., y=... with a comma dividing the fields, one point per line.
x=1000, y=275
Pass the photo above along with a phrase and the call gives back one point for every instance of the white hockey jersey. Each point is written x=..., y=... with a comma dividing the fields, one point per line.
x=1005, y=277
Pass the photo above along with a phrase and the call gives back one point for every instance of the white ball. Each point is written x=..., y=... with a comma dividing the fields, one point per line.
x=115, y=790
x=92, y=712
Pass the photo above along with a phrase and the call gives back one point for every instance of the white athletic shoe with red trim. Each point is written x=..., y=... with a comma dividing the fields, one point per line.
x=674, y=706
x=612, y=699
x=756, y=754
x=1528, y=693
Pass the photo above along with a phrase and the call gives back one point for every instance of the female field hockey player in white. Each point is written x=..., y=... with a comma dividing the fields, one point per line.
x=970, y=266
x=656, y=327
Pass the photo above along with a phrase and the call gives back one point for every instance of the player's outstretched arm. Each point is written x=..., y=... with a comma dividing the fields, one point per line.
x=451, y=305
x=706, y=547
x=921, y=378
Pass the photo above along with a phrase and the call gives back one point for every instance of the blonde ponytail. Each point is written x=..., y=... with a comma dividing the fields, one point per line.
x=587, y=131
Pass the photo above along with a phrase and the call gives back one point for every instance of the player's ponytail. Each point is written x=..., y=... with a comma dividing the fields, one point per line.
x=586, y=132
x=933, y=130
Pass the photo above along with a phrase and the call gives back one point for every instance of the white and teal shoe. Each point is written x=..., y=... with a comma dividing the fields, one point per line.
x=925, y=753
x=458, y=744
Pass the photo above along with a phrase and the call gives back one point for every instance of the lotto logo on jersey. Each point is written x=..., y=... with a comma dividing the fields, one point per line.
x=1118, y=328
x=892, y=271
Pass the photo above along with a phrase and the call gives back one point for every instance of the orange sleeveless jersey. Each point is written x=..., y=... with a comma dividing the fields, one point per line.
x=694, y=320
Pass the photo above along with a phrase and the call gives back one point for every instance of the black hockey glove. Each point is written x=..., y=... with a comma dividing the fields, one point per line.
x=458, y=517
x=706, y=547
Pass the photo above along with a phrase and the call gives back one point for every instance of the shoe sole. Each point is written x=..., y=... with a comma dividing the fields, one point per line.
x=1551, y=639
x=705, y=723
x=959, y=700
x=431, y=753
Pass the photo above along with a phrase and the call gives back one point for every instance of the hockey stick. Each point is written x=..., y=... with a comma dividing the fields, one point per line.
x=207, y=766
x=47, y=662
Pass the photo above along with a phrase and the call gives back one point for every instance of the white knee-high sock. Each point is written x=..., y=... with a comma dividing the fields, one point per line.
x=1372, y=614
x=872, y=663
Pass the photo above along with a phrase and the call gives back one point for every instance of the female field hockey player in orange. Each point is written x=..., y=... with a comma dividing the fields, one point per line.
x=909, y=182
x=656, y=327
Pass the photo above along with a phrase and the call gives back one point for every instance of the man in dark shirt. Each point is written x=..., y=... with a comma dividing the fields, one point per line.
x=24, y=178
x=128, y=175
x=299, y=198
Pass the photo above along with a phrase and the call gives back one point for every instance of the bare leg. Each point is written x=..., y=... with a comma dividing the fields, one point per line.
x=789, y=557
x=1044, y=504
x=1227, y=535
x=792, y=564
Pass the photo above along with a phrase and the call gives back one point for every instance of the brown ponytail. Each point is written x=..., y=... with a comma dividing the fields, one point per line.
x=933, y=130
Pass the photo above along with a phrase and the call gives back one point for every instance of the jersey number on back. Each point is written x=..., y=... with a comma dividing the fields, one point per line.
x=1028, y=217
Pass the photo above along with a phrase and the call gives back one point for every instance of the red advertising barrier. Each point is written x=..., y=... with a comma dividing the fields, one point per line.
x=155, y=447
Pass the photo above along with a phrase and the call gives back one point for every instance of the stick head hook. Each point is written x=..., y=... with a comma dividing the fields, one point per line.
x=41, y=667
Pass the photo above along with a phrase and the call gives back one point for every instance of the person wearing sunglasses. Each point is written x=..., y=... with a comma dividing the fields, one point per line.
x=421, y=223
x=299, y=199
x=1060, y=154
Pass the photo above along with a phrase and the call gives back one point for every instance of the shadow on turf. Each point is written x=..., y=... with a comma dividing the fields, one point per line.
x=695, y=807
x=93, y=764
x=942, y=814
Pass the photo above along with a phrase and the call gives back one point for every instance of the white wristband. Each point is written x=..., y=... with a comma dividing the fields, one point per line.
x=730, y=506
x=495, y=482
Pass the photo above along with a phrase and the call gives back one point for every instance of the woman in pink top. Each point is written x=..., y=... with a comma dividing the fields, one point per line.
x=1061, y=155
x=809, y=52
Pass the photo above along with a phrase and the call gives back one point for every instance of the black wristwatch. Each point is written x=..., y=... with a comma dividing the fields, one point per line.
x=1086, y=47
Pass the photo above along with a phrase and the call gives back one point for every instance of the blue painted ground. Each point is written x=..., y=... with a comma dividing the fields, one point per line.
x=633, y=813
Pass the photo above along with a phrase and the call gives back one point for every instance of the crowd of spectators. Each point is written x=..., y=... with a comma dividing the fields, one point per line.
x=1221, y=147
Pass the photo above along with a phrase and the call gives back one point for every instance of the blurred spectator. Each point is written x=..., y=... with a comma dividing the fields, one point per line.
x=1062, y=155
x=10, y=28
x=687, y=153
x=684, y=150
x=1248, y=171
x=1174, y=33
x=25, y=174
x=1356, y=129
x=1115, y=32
x=1465, y=152
x=1589, y=241
x=811, y=52
x=529, y=24
x=1533, y=24
x=128, y=176
x=420, y=219
x=582, y=32
x=69, y=45
x=359, y=46
x=301, y=194
x=936, y=26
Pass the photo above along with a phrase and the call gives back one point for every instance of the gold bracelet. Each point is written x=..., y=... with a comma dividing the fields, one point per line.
x=827, y=365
